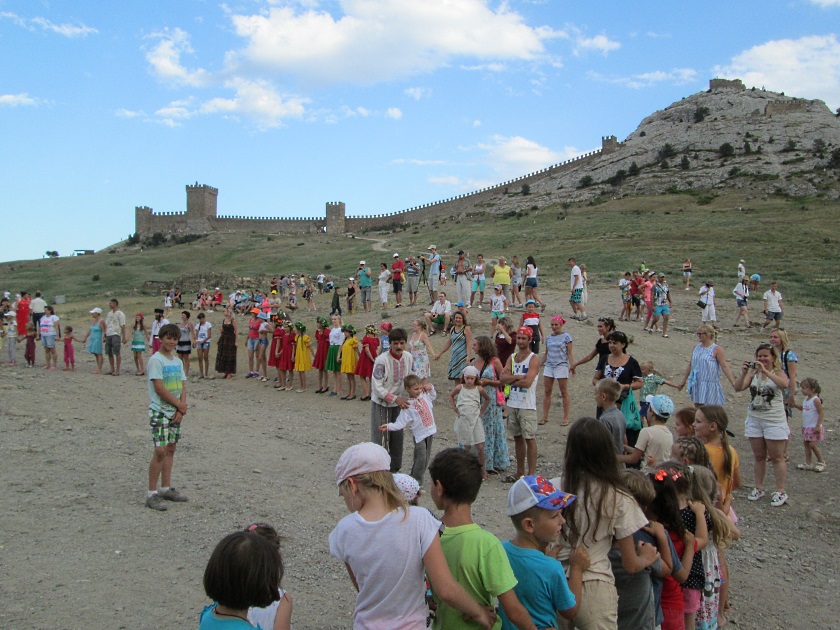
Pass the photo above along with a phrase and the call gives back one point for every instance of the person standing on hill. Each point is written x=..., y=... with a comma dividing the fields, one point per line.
x=398, y=277
x=462, y=269
x=412, y=277
x=434, y=272
x=501, y=274
x=578, y=311
x=37, y=307
x=115, y=336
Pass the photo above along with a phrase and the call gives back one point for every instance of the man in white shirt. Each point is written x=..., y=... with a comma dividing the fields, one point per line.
x=521, y=373
x=114, y=336
x=772, y=306
x=37, y=307
x=433, y=261
x=742, y=269
x=578, y=311
x=439, y=314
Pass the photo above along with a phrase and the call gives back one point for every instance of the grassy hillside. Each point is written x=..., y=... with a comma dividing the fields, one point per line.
x=794, y=240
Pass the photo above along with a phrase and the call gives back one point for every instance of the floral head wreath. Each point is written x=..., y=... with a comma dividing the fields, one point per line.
x=370, y=329
x=299, y=326
x=322, y=320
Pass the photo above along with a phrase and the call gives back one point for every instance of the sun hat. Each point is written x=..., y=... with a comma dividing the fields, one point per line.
x=432, y=247
x=524, y=330
x=99, y=310
x=351, y=279
x=498, y=287
x=470, y=371
x=386, y=326
x=263, y=316
x=359, y=459
x=661, y=404
x=460, y=304
x=408, y=486
x=255, y=311
x=536, y=491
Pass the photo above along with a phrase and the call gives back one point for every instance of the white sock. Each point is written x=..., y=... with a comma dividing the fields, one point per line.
x=162, y=489
x=150, y=493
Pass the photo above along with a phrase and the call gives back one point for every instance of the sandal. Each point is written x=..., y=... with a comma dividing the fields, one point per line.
x=349, y=398
x=819, y=467
x=511, y=479
x=805, y=467
x=542, y=422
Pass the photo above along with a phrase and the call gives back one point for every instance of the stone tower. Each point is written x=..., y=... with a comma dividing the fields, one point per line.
x=201, y=208
x=335, y=217
x=609, y=144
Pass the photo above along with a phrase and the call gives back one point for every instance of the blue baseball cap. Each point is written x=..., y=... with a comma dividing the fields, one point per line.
x=536, y=491
x=662, y=405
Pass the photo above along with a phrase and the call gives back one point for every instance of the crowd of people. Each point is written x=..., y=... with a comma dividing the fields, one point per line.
x=640, y=521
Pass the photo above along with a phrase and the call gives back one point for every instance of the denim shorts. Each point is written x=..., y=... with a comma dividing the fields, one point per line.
x=203, y=346
x=741, y=303
x=264, y=342
x=531, y=283
x=48, y=341
x=253, y=343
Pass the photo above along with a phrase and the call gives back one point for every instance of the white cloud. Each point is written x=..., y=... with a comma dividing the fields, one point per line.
x=395, y=113
x=378, y=40
x=826, y=3
x=66, y=30
x=446, y=180
x=476, y=123
x=165, y=58
x=677, y=76
x=129, y=113
x=599, y=43
x=259, y=101
x=514, y=156
x=418, y=93
x=16, y=100
x=808, y=67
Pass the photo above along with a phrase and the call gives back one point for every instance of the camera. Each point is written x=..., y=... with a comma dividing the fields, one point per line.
x=751, y=365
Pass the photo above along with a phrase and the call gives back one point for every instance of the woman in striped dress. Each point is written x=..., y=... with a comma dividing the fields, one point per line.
x=702, y=375
x=496, y=454
x=460, y=341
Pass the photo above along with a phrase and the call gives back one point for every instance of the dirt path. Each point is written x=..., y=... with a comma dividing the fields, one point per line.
x=78, y=548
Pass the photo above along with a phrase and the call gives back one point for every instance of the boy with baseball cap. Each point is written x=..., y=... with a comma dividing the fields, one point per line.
x=655, y=440
x=534, y=506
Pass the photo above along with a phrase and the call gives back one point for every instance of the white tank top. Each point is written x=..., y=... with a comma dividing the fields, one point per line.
x=520, y=397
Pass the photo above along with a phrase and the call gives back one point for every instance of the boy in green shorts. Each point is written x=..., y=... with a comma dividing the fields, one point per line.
x=167, y=408
x=475, y=557
x=534, y=506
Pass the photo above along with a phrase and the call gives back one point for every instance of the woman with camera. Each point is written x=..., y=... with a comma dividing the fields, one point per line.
x=766, y=425
x=702, y=375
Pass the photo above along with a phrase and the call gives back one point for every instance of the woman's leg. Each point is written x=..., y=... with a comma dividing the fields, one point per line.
x=548, y=384
x=563, y=383
x=759, y=449
x=776, y=452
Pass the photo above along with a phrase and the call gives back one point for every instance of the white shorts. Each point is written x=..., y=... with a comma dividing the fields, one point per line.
x=469, y=429
x=768, y=430
x=559, y=371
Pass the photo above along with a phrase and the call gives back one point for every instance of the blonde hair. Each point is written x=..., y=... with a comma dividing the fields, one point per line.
x=783, y=338
x=707, y=328
x=812, y=384
x=772, y=350
x=640, y=486
x=382, y=483
x=648, y=365
x=609, y=388
x=704, y=487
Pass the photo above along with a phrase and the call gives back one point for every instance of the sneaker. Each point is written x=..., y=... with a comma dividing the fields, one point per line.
x=172, y=495
x=819, y=467
x=778, y=498
x=479, y=307
x=155, y=502
x=756, y=494
x=805, y=467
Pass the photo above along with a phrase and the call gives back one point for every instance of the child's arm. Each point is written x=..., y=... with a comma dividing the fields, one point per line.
x=540, y=328
x=578, y=563
x=819, y=407
x=686, y=559
x=638, y=557
x=452, y=396
x=450, y=591
x=352, y=577
x=403, y=418
x=670, y=384
x=486, y=401
x=631, y=455
x=515, y=611
x=166, y=396
x=283, y=619
x=701, y=532
x=663, y=545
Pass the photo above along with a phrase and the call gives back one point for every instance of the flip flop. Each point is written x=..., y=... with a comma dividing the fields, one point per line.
x=542, y=422
x=511, y=479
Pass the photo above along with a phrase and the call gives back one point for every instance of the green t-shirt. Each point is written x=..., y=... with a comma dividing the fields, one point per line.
x=478, y=562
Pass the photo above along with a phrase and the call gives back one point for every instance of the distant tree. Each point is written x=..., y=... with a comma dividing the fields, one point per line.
x=790, y=145
x=526, y=190
x=685, y=163
x=586, y=181
x=747, y=147
x=665, y=152
x=644, y=133
x=837, y=112
x=700, y=114
x=51, y=254
x=634, y=170
x=818, y=148
x=726, y=150
x=133, y=239
x=834, y=160
x=664, y=165
x=619, y=177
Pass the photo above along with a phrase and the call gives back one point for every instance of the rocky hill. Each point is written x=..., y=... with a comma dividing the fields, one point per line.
x=728, y=137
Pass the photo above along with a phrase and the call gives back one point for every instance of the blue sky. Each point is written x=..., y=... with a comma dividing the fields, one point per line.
x=382, y=104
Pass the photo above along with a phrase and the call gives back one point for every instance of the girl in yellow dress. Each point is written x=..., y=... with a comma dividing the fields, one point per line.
x=349, y=357
x=303, y=354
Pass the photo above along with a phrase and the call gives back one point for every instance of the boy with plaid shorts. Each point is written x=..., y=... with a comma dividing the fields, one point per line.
x=167, y=408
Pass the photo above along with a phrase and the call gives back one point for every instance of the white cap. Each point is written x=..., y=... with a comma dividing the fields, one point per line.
x=352, y=279
x=396, y=255
x=9, y=313
x=361, y=262
x=432, y=247
x=95, y=310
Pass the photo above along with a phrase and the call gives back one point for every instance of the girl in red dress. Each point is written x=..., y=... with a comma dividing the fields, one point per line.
x=364, y=369
x=322, y=338
x=287, y=355
x=276, y=347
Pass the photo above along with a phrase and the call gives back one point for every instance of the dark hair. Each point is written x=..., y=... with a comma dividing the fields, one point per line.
x=463, y=317
x=459, y=472
x=619, y=337
x=115, y=301
x=665, y=507
x=169, y=331
x=397, y=334
x=243, y=571
x=187, y=313
x=590, y=469
x=609, y=321
x=486, y=348
x=530, y=260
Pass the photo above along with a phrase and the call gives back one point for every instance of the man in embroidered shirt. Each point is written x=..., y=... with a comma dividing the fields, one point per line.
x=389, y=371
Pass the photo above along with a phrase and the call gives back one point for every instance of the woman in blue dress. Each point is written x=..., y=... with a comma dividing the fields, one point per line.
x=94, y=337
x=702, y=375
x=460, y=341
x=496, y=454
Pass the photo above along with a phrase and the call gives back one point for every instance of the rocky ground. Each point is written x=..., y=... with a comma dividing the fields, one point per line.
x=79, y=550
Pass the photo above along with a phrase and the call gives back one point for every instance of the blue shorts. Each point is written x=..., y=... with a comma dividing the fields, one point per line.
x=253, y=343
x=263, y=342
x=531, y=283
x=662, y=309
x=496, y=314
x=576, y=295
x=741, y=303
x=48, y=341
x=478, y=285
x=772, y=316
x=203, y=346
